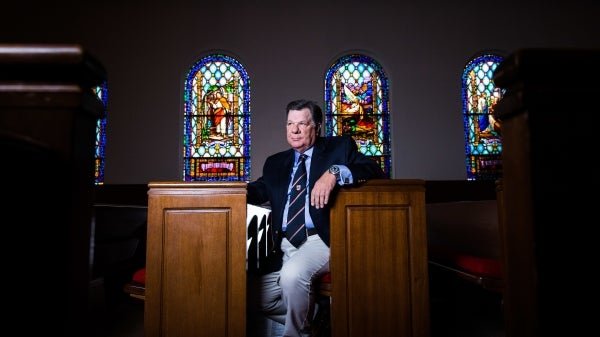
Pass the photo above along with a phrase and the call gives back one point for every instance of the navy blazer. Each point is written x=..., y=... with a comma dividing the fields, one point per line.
x=272, y=186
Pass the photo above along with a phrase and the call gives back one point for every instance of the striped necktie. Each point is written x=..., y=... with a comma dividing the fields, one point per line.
x=295, y=230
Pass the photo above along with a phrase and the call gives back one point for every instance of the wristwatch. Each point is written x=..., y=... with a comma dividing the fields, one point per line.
x=335, y=170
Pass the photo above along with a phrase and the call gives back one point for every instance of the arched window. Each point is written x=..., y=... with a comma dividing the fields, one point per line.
x=483, y=145
x=101, y=93
x=356, y=104
x=216, y=121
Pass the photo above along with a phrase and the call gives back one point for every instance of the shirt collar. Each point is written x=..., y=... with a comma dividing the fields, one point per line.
x=308, y=152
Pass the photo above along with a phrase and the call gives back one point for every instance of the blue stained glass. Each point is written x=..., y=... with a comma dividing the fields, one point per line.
x=483, y=144
x=216, y=121
x=101, y=93
x=356, y=104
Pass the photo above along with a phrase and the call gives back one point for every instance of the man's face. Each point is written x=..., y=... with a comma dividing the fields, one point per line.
x=301, y=131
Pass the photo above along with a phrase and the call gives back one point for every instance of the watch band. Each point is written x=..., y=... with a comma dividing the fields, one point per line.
x=335, y=170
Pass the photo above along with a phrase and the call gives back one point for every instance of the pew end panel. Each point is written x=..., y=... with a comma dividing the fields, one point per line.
x=379, y=260
x=196, y=259
x=545, y=115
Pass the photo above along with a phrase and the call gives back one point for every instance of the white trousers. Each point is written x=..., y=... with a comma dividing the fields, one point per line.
x=286, y=296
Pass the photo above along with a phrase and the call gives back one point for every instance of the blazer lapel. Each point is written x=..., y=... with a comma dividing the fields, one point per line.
x=284, y=177
x=317, y=161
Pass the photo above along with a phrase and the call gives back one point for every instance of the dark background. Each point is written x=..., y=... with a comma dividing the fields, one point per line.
x=286, y=47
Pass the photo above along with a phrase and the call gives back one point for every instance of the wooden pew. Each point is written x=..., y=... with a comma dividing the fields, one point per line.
x=463, y=231
x=548, y=138
x=196, y=260
x=379, y=273
x=48, y=116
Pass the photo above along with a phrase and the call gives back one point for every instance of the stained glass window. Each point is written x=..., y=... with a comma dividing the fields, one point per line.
x=483, y=144
x=216, y=121
x=356, y=104
x=101, y=93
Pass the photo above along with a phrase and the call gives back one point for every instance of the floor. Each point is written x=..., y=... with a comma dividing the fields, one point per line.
x=115, y=315
x=458, y=309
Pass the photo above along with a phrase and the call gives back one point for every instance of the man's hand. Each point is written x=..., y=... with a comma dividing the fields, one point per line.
x=319, y=196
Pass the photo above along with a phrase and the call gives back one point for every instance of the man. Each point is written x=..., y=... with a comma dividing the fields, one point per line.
x=284, y=291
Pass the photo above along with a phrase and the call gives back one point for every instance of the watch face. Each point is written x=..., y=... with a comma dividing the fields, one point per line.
x=334, y=169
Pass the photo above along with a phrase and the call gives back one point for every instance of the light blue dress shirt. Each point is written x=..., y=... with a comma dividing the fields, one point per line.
x=344, y=174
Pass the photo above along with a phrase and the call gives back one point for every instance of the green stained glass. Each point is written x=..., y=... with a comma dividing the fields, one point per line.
x=216, y=143
x=483, y=144
x=356, y=104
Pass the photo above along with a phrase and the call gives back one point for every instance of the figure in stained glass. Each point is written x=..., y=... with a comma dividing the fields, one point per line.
x=482, y=131
x=217, y=121
x=356, y=104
